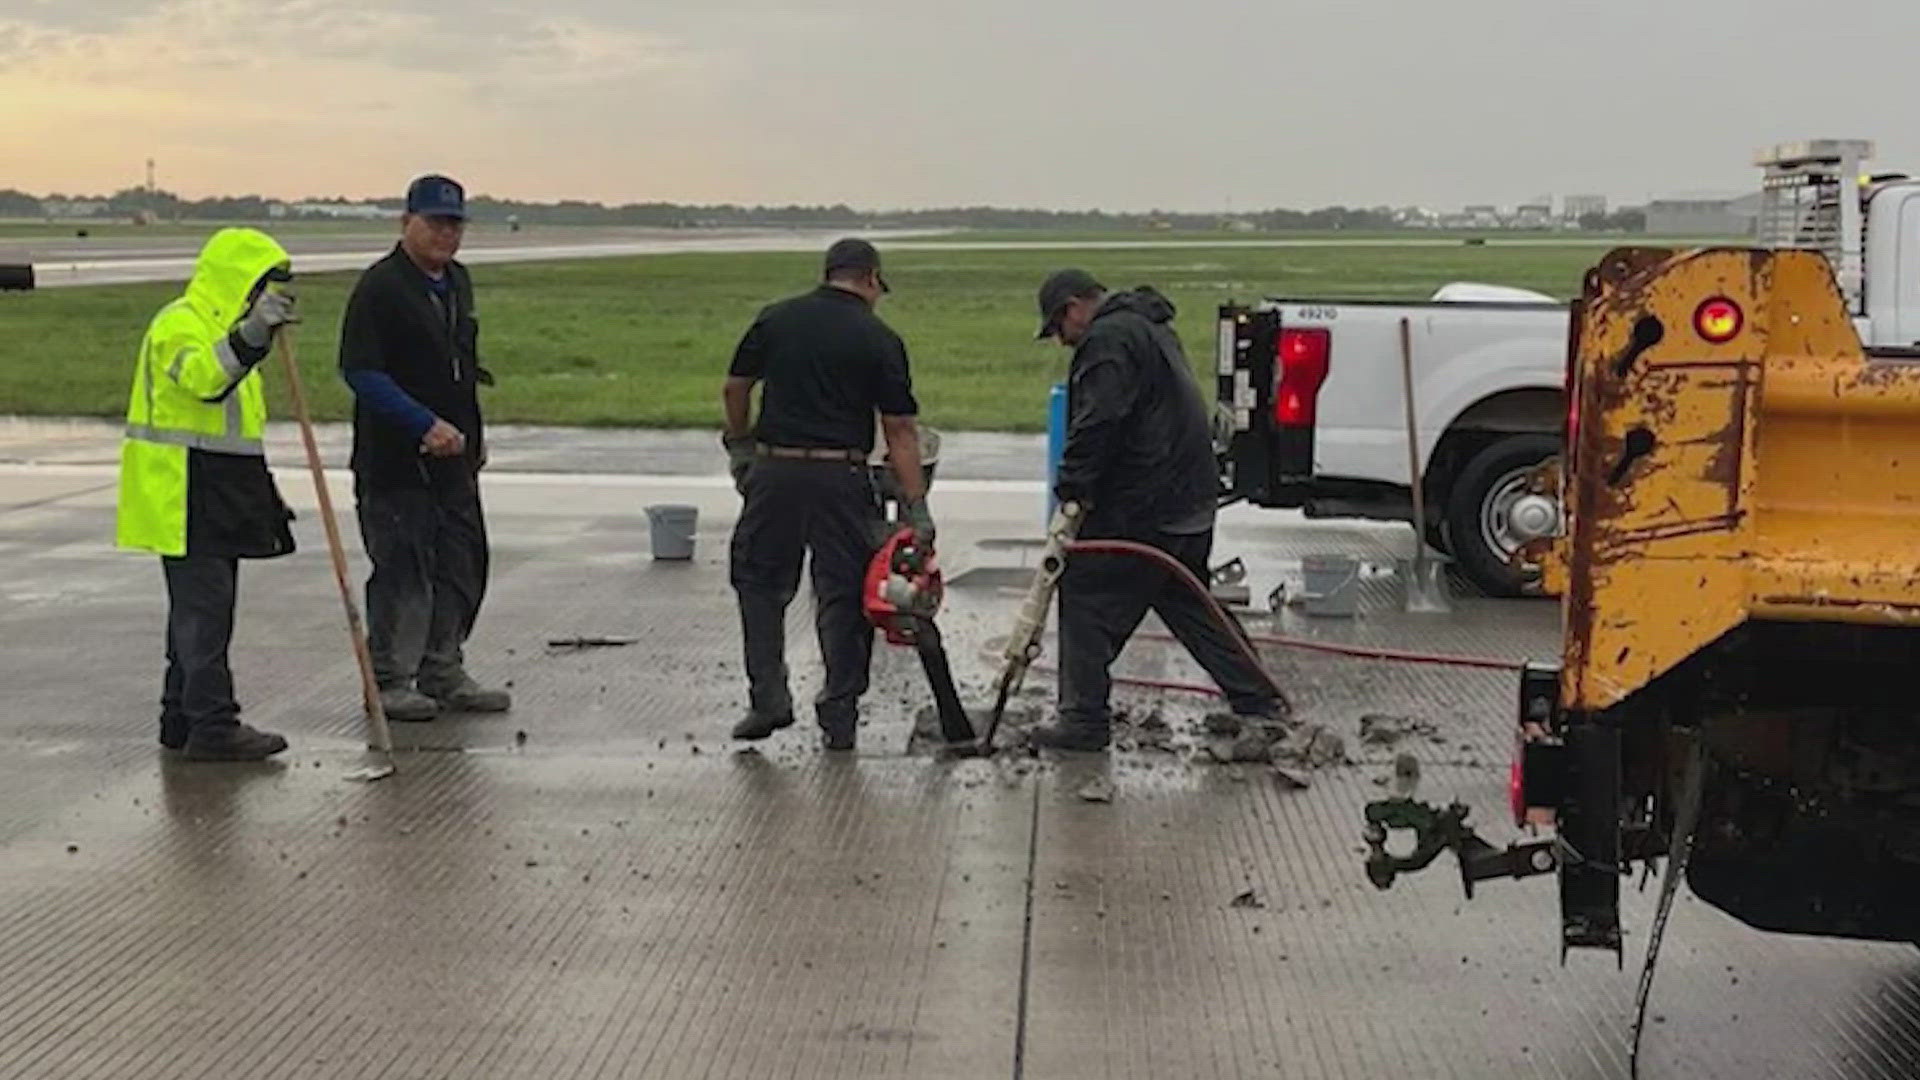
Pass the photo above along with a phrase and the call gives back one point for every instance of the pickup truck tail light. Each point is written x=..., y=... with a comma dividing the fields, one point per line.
x=1303, y=357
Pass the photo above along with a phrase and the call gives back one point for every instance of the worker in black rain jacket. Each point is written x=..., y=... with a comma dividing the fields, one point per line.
x=1139, y=459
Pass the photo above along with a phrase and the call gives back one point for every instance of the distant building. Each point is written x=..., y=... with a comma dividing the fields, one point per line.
x=1575, y=207
x=1534, y=215
x=342, y=211
x=1704, y=215
x=1485, y=216
x=72, y=208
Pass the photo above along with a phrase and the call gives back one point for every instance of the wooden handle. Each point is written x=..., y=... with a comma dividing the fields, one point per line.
x=381, y=737
x=1414, y=478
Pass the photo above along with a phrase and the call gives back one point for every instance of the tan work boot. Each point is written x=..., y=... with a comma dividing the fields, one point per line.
x=469, y=696
x=404, y=703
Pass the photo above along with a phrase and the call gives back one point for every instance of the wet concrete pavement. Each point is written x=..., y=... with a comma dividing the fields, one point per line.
x=623, y=893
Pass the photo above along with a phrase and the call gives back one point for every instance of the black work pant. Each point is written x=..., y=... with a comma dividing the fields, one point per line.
x=428, y=545
x=795, y=508
x=201, y=591
x=1104, y=597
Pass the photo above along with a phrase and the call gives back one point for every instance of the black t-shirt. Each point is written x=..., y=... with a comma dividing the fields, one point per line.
x=425, y=337
x=826, y=364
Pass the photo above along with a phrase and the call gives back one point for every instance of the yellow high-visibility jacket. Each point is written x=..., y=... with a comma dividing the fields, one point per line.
x=193, y=466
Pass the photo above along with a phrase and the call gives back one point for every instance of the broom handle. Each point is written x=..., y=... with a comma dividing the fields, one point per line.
x=369, y=687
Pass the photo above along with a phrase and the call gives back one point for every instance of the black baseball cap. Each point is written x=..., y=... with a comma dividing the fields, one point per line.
x=437, y=196
x=854, y=254
x=1060, y=287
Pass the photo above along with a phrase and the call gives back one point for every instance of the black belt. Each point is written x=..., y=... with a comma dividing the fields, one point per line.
x=812, y=453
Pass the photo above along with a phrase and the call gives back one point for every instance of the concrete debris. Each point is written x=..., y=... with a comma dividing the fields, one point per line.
x=1154, y=738
x=1291, y=778
x=1247, y=901
x=1311, y=746
x=1250, y=748
x=1223, y=724
x=1380, y=729
x=563, y=646
x=1097, y=790
x=1406, y=776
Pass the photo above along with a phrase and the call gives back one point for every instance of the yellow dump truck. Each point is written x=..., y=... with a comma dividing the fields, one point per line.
x=1736, y=547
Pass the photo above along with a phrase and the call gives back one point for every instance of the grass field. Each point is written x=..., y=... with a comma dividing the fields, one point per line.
x=645, y=341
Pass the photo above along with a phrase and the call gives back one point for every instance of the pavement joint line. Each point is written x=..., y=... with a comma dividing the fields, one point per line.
x=51, y=499
x=1026, y=938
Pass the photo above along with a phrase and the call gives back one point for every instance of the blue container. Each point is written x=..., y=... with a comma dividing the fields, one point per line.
x=1056, y=443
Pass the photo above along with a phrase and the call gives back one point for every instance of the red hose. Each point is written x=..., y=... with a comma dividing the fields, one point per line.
x=1366, y=652
x=1149, y=684
x=1246, y=641
x=1179, y=570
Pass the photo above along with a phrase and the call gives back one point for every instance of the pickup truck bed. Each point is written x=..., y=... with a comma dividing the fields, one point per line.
x=1488, y=388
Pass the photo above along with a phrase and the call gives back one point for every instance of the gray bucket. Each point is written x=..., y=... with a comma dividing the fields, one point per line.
x=673, y=530
x=1331, y=585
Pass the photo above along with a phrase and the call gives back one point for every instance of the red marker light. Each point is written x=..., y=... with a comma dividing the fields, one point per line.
x=1719, y=320
x=1517, y=786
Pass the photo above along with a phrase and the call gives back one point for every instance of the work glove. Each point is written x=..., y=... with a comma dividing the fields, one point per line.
x=920, y=519
x=740, y=458
x=271, y=310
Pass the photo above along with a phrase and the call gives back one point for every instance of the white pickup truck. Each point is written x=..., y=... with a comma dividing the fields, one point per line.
x=1312, y=415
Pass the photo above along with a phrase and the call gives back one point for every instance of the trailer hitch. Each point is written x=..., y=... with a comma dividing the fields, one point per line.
x=1436, y=830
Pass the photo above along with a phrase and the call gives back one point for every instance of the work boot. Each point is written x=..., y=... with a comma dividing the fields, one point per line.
x=839, y=733
x=1270, y=724
x=753, y=727
x=1070, y=735
x=470, y=696
x=407, y=704
x=174, y=730
x=231, y=742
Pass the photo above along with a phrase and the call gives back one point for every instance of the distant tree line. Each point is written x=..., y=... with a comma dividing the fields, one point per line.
x=163, y=205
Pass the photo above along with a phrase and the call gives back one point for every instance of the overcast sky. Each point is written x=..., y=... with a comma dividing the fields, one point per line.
x=1191, y=104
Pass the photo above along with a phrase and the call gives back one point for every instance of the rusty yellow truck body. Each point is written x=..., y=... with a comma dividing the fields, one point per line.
x=1773, y=476
x=1738, y=565
x=1739, y=575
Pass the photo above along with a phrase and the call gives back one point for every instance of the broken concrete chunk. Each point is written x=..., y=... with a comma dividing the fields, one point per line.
x=1406, y=776
x=1097, y=790
x=1219, y=723
x=1291, y=778
x=1313, y=746
x=1381, y=729
x=1247, y=900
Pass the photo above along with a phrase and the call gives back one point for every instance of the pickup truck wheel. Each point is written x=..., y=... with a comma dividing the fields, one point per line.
x=1477, y=505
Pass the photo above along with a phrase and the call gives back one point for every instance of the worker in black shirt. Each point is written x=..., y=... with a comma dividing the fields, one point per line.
x=409, y=347
x=826, y=365
x=1139, y=459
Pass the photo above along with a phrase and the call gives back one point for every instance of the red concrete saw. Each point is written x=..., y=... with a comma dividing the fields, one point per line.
x=902, y=595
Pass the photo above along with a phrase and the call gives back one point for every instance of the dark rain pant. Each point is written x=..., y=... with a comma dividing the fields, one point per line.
x=428, y=545
x=796, y=508
x=201, y=592
x=1102, y=600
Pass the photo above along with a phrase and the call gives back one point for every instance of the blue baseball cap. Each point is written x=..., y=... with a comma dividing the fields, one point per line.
x=437, y=196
